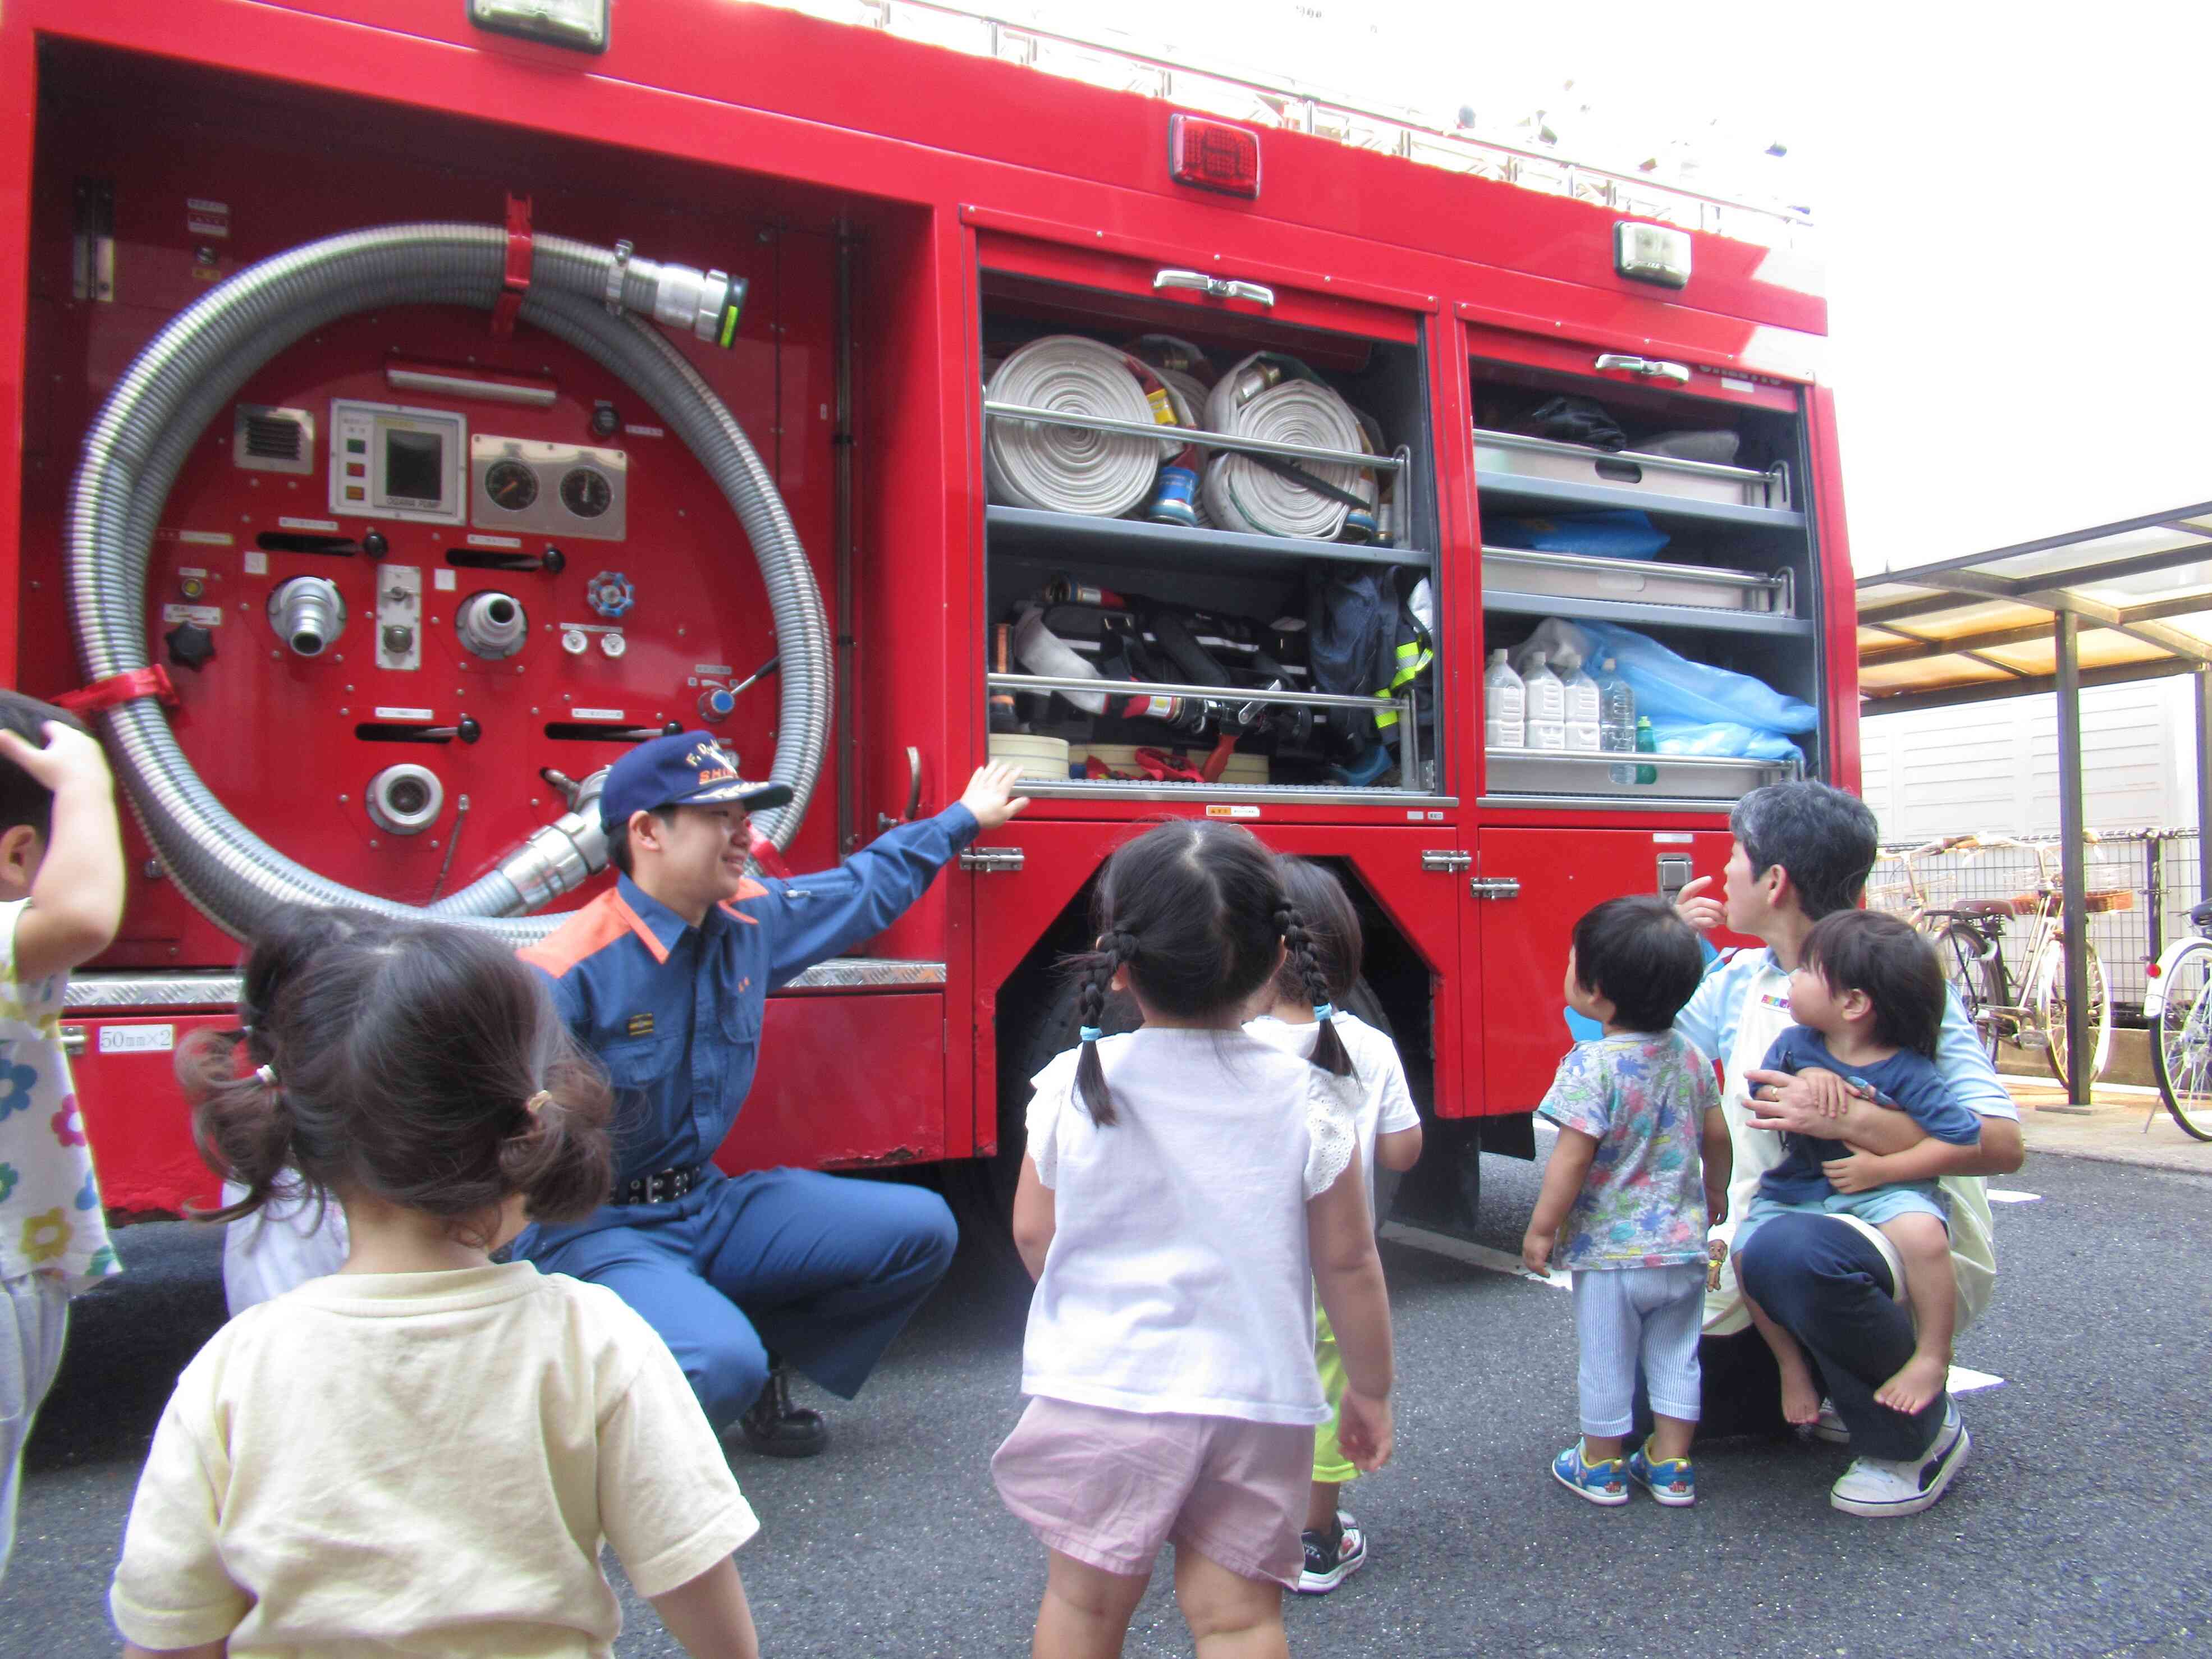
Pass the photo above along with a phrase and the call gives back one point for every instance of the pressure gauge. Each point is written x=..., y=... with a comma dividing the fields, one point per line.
x=511, y=485
x=585, y=492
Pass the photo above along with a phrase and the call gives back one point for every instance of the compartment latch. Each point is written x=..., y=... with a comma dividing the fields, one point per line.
x=1651, y=368
x=992, y=860
x=1218, y=288
x=1674, y=875
x=1448, y=862
x=1494, y=887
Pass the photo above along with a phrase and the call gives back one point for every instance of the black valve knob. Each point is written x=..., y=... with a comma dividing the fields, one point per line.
x=554, y=563
x=374, y=546
x=190, y=646
x=672, y=728
x=468, y=731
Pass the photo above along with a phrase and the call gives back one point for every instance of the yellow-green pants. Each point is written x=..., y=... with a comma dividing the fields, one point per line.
x=1331, y=1466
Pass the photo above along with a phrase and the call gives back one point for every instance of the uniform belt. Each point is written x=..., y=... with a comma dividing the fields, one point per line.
x=659, y=1186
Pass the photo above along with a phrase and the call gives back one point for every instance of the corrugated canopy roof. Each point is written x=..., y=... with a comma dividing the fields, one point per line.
x=1967, y=630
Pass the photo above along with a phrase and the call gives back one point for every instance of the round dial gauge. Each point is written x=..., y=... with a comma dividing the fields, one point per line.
x=511, y=484
x=585, y=493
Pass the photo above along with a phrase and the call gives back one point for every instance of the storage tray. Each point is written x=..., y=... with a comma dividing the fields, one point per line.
x=1680, y=777
x=1626, y=469
x=1636, y=581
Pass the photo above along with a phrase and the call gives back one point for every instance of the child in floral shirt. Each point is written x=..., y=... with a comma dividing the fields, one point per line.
x=61, y=901
x=1627, y=1197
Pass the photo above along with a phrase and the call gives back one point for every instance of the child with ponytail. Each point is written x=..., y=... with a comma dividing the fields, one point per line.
x=423, y=1451
x=1307, y=1017
x=1187, y=1188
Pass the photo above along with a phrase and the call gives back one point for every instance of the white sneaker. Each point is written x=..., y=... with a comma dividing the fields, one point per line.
x=1883, y=1486
x=1830, y=1426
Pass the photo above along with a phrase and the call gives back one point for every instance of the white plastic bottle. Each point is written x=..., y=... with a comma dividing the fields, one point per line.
x=1548, y=705
x=1616, y=717
x=1583, y=708
x=1504, y=706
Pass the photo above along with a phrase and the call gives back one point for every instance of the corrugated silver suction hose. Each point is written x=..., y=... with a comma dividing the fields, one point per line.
x=591, y=298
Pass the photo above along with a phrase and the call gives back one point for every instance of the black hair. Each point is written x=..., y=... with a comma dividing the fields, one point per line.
x=1326, y=969
x=1825, y=838
x=1641, y=956
x=1196, y=912
x=1893, y=963
x=23, y=799
x=618, y=852
x=404, y=1060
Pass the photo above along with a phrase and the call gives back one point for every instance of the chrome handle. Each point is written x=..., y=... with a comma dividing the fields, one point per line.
x=1494, y=887
x=1214, y=288
x=1447, y=862
x=1651, y=368
x=992, y=860
x=73, y=1041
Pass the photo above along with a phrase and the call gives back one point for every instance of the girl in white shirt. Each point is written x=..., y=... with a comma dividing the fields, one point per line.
x=423, y=1452
x=1187, y=1188
x=1323, y=966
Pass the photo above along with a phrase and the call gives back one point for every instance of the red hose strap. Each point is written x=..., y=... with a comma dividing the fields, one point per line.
x=515, y=282
x=765, y=855
x=103, y=695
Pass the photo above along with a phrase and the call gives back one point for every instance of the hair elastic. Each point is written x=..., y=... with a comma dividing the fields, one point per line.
x=1324, y=1012
x=536, y=1101
x=1089, y=1033
x=267, y=1074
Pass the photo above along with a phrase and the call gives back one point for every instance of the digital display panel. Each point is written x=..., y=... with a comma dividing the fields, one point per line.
x=414, y=466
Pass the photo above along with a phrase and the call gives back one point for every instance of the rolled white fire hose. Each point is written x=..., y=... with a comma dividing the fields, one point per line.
x=1063, y=469
x=1259, y=399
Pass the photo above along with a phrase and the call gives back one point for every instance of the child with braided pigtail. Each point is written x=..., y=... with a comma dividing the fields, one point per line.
x=1187, y=1188
x=423, y=1451
x=1326, y=949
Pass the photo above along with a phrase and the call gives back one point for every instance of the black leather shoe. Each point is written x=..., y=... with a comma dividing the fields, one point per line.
x=775, y=1428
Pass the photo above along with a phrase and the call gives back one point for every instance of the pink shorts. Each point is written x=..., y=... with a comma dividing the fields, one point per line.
x=1110, y=1487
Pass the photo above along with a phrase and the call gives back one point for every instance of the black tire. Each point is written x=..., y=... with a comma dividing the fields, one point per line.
x=1971, y=969
x=981, y=1189
x=2181, y=1039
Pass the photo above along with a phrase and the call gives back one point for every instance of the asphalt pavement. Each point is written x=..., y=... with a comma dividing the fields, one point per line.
x=2079, y=1526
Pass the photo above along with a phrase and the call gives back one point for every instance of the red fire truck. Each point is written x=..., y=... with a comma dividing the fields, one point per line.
x=416, y=402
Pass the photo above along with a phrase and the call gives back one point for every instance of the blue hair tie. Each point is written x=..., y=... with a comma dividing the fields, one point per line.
x=1324, y=1012
x=1090, y=1033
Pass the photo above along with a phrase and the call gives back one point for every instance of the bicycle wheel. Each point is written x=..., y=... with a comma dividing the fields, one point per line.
x=1965, y=956
x=2181, y=1038
x=2051, y=1009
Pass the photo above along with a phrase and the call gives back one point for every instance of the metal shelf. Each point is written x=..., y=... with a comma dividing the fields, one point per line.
x=1499, y=487
x=1136, y=542
x=1631, y=614
x=1582, y=776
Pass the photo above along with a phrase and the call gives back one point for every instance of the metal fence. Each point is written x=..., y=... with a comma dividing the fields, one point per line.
x=2157, y=869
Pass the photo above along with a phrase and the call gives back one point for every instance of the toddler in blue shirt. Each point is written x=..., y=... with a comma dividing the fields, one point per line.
x=1867, y=995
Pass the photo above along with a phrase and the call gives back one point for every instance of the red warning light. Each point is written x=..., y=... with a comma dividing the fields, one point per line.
x=1213, y=155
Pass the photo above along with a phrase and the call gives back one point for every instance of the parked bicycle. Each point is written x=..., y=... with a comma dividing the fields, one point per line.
x=2025, y=1008
x=2177, y=1005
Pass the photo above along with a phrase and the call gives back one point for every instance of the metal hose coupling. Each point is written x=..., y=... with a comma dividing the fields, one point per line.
x=307, y=613
x=705, y=303
x=564, y=855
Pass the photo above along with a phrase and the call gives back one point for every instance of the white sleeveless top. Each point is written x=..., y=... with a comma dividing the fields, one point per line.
x=1178, y=1278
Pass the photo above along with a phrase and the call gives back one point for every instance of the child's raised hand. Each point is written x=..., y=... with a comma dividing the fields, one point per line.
x=1536, y=1251
x=1831, y=1095
x=1702, y=913
x=1861, y=1172
x=68, y=756
x=1364, y=1430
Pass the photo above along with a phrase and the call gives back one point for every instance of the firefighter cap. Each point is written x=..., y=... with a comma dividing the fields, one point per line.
x=689, y=768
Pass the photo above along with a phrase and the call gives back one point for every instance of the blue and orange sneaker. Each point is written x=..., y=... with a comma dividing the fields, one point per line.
x=1601, y=1483
x=1672, y=1480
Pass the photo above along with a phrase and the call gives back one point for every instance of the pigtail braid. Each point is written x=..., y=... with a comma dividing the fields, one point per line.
x=1328, y=1051
x=1116, y=947
x=241, y=1123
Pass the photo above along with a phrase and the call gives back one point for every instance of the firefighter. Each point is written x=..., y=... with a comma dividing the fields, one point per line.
x=665, y=977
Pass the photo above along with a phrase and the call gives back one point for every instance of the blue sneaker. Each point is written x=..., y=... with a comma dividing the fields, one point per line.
x=1600, y=1484
x=1671, y=1480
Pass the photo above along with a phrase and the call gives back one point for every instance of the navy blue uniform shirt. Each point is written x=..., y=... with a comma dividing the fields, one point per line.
x=673, y=1012
x=1908, y=1081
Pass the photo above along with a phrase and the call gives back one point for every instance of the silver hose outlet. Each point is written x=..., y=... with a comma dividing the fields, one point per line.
x=307, y=613
x=406, y=799
x=492, y=624
x=706, y=304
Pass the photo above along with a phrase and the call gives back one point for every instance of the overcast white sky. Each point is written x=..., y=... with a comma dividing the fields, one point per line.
x=2014, y=203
